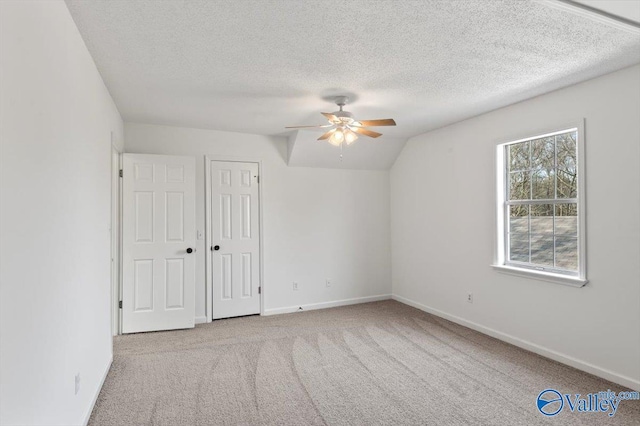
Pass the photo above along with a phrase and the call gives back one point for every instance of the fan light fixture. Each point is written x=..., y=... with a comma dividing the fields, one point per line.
x=342, y=134
x=349, y=136
x=345, y=128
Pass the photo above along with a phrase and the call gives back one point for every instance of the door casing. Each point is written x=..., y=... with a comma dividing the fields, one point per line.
x=116, y=238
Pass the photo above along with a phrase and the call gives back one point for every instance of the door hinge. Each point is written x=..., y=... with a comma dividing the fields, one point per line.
x=258, y=179
x=259, y=290
x=120, y=304
x=120, y=172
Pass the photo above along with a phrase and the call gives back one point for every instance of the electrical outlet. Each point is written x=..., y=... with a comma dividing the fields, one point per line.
x=77, y=381
x=295, y=286
x=328, y=282
x=470, y=297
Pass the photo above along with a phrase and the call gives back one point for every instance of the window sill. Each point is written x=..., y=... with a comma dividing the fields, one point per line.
x=540, y=275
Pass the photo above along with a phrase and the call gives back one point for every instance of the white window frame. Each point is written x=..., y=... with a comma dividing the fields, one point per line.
x=500, y=258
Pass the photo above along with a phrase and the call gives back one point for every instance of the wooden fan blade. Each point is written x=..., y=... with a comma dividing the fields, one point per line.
x=327, y=135
x=308, y=127
x=375, y=123
x=366, y=132
x=330, y=116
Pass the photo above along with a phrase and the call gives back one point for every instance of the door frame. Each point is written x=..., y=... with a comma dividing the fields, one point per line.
x=116, y=238
x=208, y=232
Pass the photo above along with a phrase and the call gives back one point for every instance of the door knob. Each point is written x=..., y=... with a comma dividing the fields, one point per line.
x=189, y=250
x=216, y=248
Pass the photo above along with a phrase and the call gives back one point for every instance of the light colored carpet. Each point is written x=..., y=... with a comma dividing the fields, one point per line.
x=381, y=363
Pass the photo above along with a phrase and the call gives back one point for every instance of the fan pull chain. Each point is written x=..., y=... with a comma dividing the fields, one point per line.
x=341, y=147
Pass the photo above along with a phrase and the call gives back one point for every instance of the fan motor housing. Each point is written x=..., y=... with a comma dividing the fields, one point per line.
x=344, y=116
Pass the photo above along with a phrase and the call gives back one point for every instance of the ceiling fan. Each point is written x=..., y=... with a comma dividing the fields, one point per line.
x=345, y=128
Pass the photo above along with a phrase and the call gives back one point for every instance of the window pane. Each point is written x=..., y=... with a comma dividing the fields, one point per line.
x=542, y=220
x=566, y=170
x=519, y=247
x=519, y=219
x=519, y=186
x=543, y=154
x=566, y=220
x=543, y=168
x=543, y=184
x=567, y=253
x=542, y=250
x=518, y=156
x=567, y=184
x=566, y=146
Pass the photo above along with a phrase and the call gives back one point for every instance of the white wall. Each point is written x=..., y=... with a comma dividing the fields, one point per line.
x=56, y=119
x=443, y=227
x=318, y=223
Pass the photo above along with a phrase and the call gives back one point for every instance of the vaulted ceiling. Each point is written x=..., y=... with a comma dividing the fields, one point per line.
x=256, y=66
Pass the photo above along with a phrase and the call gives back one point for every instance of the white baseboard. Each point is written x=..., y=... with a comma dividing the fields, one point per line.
x=540, y=350
x=324, y=305
x=201, y=320
x=87, y=415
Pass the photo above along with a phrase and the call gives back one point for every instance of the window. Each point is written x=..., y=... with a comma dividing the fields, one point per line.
x=541, y=206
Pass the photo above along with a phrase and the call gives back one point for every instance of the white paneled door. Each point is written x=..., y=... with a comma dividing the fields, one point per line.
x=158, y=242
x=235, y=237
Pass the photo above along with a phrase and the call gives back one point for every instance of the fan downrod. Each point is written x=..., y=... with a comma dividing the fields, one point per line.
x=341, y=101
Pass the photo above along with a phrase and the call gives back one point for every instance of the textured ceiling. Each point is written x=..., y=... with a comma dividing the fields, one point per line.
x=257, y=66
